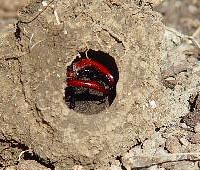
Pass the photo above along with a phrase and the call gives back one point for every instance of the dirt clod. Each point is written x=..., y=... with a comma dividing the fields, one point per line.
x=158, y=75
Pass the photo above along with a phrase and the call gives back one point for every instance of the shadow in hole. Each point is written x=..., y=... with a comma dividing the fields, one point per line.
x=90, y=100
x=35, y=157
x=84, y=96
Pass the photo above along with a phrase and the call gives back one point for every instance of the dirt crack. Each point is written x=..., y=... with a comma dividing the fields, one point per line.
x=27, y=153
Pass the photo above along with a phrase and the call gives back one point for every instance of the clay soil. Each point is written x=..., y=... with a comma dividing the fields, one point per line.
x=153, y=119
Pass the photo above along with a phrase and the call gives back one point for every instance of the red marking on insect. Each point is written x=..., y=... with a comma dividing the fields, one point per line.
x=88, y=84
x=76, y=80
x=85, y=63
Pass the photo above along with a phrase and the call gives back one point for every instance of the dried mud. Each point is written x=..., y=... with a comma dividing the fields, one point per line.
x=152, y=91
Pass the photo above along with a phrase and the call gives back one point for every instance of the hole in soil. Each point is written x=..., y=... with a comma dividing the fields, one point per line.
x=33, y=156
x=157, y=129
x=91, y=82
x=193, y=102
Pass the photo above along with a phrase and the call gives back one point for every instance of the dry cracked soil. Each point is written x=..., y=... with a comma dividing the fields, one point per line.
x=153, y=121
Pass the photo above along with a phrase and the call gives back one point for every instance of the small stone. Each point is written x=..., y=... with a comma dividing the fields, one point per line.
x=170, y=79
x=77, y=167
x=184, y=141
x=183, y=125
x=172, y=144
x=170, y=82
x=44, y=3
x=152, y=104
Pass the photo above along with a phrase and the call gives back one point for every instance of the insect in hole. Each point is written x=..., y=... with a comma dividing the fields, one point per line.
x=85, y=75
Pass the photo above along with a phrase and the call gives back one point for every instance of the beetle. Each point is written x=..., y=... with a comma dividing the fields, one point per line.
x=89, y=74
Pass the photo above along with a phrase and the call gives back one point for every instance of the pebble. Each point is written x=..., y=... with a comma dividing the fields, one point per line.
x=173, y=145
x=152, y=104
x=184, y=141
x=44, y=3
x=77, y=167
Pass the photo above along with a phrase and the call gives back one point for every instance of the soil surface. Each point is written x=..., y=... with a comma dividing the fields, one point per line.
x=153, y=121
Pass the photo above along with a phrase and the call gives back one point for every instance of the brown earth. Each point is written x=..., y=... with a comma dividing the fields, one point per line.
x=158, y=73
